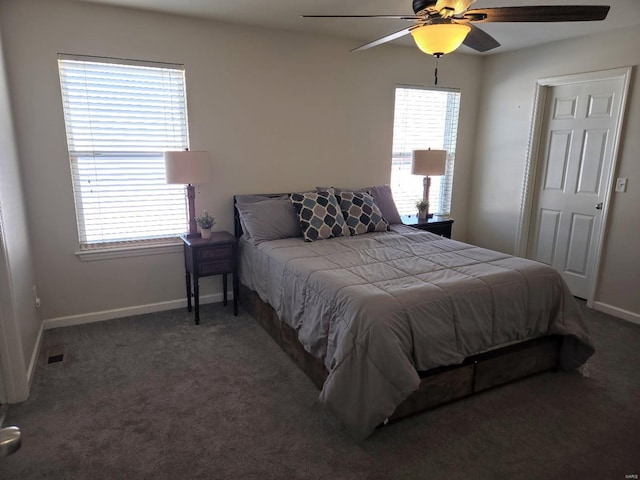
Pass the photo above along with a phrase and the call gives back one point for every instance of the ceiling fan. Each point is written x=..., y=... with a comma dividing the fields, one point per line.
x=441, y=26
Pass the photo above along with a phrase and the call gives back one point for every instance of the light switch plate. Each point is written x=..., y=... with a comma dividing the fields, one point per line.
x=621, y=185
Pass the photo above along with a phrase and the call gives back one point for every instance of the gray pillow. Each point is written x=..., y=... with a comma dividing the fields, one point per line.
x=268, y=219
x=384, y=200
x=241, y=199
x=258, y=198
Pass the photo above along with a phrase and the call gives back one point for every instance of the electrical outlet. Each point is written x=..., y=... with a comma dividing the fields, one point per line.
x=621, y=185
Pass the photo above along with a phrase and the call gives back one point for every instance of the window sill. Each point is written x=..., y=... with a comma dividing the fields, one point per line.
x=94, y=254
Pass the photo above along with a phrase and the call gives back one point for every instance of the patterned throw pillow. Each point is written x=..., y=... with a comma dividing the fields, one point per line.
x=381, y=195
x=361, y=213
x=384, y=200
x=319, y=214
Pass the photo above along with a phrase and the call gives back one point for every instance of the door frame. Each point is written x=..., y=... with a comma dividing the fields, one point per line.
x=14, y=375
x=542, y=87
x=4, y=398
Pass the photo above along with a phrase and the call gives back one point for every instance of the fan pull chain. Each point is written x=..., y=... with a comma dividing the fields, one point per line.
x=435, y=73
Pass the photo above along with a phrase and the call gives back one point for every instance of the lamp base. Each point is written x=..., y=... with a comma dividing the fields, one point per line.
x=191, y=198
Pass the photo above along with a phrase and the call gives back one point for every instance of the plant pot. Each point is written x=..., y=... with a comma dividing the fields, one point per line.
x=205, y=232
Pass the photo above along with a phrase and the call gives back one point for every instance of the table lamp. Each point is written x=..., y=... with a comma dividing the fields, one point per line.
x=428, y=162
x=188, y=167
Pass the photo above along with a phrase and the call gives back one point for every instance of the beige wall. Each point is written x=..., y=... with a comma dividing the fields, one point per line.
x=19, y=320
x=504, y=123
x=278, y=112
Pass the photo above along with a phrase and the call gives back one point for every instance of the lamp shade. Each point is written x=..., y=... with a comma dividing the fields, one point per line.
x=429, y=162
x=187, y=166
x=440, y=38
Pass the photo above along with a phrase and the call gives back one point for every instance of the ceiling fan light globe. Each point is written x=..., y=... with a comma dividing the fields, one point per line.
x=440, y=39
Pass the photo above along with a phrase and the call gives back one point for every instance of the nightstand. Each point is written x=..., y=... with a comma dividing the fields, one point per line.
x=438, y=225
x=210, y=256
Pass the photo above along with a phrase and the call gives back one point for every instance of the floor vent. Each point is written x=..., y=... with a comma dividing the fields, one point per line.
x=56, y=354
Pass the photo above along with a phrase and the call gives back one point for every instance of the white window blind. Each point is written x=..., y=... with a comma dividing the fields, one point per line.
x=423, y=118
x=120, y=117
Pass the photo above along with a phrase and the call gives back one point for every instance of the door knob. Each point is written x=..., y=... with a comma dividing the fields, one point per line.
x=10, y=440
x=599, y=206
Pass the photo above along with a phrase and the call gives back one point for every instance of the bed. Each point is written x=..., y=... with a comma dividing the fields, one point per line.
x=389, y=323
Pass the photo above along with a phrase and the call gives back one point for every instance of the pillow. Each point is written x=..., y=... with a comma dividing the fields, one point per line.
x=252, y=199
x=319, y=215
x=361, y=213
x=268, y=219
x=384, y=200
x=258, y=198
x=382, y=196
x=335, y=190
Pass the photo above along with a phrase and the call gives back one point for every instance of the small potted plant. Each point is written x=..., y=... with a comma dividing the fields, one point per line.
x=423, y=209
x=205, y=221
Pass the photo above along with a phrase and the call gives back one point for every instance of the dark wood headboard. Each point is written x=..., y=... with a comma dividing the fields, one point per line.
x=237, y=226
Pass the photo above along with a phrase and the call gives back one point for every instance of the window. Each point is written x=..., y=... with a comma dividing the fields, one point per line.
x=120, y=117
x=424, y=118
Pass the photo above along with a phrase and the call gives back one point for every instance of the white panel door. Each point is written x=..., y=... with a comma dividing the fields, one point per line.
x=575, y=158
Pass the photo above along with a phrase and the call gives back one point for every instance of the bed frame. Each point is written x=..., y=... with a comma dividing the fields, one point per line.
x=437, y=386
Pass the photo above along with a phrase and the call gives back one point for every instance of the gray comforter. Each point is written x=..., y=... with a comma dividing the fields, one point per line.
x=379, y=307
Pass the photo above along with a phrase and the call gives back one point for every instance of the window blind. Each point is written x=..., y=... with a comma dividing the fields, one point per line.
x=120, y=117
x=423, y=118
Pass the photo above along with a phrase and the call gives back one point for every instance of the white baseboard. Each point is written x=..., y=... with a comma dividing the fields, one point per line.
x=617, y=312
x=127, y=312
x=35, y=354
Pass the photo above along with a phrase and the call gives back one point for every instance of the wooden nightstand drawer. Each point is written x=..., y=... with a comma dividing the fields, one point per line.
x=218, y=252
x=438, y=225
x=214, y=268
x=442, y=230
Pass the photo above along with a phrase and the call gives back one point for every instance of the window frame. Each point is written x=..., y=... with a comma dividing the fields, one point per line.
x=134, y=242
x=443, y=184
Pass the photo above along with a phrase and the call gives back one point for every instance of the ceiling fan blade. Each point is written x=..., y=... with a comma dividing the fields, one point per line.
x=385, y=39
x=541, y=13
x=397, y=17
x=480, y=40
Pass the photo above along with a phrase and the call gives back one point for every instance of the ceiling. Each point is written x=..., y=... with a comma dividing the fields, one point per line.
x=285, y=15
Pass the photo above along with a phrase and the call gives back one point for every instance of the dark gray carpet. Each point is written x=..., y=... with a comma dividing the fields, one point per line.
x=156, y=397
